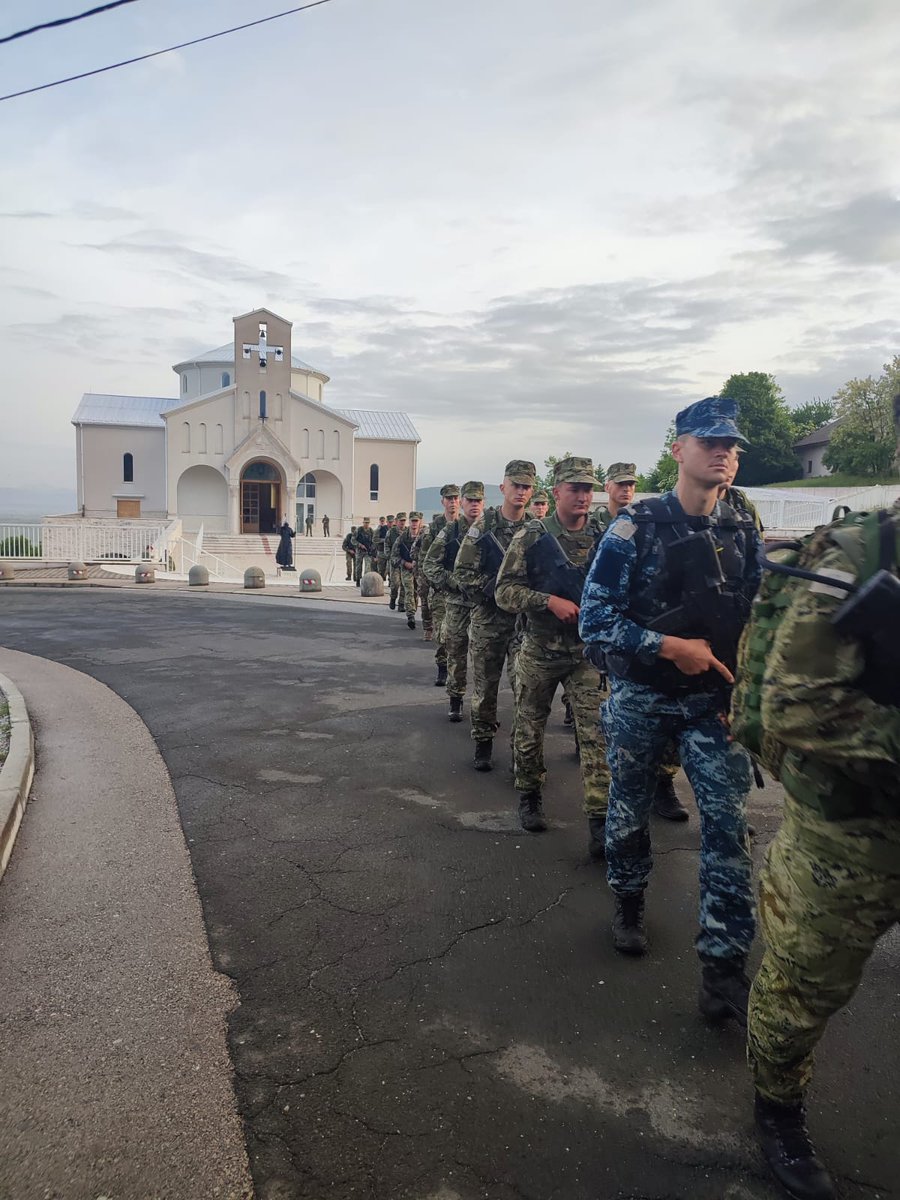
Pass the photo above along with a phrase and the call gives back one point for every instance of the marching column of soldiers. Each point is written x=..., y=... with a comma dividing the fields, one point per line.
x=643, y=616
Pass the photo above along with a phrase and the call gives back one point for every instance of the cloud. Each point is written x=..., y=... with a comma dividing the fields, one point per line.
x=864, y=230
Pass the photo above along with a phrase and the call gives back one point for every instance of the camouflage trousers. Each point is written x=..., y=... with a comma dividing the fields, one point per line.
x=639, y=722
x=426, y=593
x=395, y=583
x=828, y=892
x=381, y=565
x=539, y=672
x=455, y=636
x=494, y=645
x=438, y=609
x=350, y=562
x=363, y=564
x=408, y=590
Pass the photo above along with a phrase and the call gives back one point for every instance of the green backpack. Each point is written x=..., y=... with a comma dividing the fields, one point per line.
x=861, y=536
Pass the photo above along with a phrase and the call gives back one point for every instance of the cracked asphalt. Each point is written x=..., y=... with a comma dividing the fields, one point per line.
x=429, y=1005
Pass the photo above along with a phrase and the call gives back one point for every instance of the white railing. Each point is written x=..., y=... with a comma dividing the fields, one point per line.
x=193, y=555
x=73, y=541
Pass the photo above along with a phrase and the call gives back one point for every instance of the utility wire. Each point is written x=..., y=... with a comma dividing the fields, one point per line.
x=91, y=12
x=288, y=12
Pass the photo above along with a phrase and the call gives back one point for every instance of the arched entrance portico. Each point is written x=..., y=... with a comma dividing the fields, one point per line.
x=262, y=487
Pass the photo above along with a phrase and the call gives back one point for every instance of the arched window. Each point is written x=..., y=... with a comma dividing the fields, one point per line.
x=320, y=444
x=262, y=406
x=336, y=436
x=304, y=444
x=201, y=438
x=128, y=468
x=245, y=406
x=306, y=488
x=185, y=437
x=220, y=440
x=226, y=379
x=278, y=413
x=373, y=481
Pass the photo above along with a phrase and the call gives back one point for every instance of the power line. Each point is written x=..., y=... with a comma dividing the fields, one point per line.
x=91, y=12
x=127, y=62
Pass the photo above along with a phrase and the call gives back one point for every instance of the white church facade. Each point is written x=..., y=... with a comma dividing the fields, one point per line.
x=248, y=442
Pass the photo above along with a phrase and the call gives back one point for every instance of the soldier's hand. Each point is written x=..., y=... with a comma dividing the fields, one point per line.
x=564, y=610
x=692, y=656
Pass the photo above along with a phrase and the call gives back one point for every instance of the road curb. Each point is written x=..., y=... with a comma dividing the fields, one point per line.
x=17, y=772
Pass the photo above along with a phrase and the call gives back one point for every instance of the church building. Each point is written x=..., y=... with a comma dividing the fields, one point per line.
x=248, y=442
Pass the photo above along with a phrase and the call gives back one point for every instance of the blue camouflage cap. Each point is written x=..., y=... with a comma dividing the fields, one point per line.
x=710, y=418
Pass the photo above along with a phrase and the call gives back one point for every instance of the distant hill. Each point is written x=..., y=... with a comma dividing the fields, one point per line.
x=428, y=500
x=21, y=505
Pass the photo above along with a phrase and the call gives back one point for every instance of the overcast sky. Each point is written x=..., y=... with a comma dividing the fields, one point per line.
x=534, y=226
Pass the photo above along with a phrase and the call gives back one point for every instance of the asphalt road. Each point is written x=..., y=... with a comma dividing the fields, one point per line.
x=429, y=1004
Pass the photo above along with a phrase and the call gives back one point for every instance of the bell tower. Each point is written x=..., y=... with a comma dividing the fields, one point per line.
x=262, y=371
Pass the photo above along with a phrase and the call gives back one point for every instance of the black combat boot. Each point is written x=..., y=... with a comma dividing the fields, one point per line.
x=393, y=603
x=531, y=812
x=666, y=803
x=483, y=751
x=597, y=838
x=569, y=718
x=789, y=1152
x=410, y=620
x=441, y=675
x=456, y=708
x=629, y=936
x=724, y=990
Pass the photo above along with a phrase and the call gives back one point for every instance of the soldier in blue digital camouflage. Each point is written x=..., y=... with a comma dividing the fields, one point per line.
x=542, y=577
x=831, y=884
x=666, y=599
x=492, y=631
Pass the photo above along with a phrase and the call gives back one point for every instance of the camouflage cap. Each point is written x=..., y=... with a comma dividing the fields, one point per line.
x=574, y=470
x=353, y=529
x=712, y=417
x=391, y=517
x=382, y=519
x=473, y=490
x=401, y=516
x=540, y=497
x=449, y=490
x=520, y=470
x=366, y=520
x=415, y=516
x=622, y=473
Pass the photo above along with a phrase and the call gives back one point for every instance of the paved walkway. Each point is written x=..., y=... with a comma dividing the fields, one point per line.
x=116, y=1079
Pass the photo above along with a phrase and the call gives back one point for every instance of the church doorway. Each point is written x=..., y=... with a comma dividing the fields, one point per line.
x=260, y=498
x=306, y=501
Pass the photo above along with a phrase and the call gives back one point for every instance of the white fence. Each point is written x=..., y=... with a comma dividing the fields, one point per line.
x=77, y=541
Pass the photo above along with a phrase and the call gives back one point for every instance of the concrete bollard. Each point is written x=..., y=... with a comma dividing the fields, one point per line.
x=371, y=584
x=145, y=573
x=7, y=571
x=77, y=570
x=198, y=576
x=310, y=580
x=254, y=577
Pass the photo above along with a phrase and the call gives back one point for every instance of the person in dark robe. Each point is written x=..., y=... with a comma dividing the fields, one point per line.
x=284, y=556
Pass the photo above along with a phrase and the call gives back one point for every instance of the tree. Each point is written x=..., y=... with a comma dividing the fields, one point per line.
x=811, y=415
x=864, y=443
x=665, y=474
x=765, y=420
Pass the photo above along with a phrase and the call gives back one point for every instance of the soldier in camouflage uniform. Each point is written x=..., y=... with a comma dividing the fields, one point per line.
x=492, y=631
x=552, y=652
x=364, y=545
x=438, y=568
x=672, y=685
x=394, y=572
x=539, y=506
x=381, y=536
x=403, y=559
x=347, y=545
x=831, y=884
x=450, y=505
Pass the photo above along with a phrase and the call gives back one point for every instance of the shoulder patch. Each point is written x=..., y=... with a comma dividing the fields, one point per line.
x=474, y=533
x=624, y=528
x=441, y=535
x=820, y=587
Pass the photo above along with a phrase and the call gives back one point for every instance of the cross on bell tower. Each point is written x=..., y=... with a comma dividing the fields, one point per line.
x=263, y=349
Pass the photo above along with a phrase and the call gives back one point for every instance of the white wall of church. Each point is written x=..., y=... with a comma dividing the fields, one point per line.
x=396, y=462
x=199, y=435
x=202, y=498
x=100, y=457
x=201, y=379
x=308, y=385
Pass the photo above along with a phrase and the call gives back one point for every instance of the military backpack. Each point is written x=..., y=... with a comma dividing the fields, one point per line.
x=870, y=542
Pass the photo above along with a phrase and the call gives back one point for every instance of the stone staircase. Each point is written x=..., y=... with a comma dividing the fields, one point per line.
x=240, y=551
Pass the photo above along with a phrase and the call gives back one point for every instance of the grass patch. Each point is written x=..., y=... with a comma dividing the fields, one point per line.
x=840, y=480
x=5, y=729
